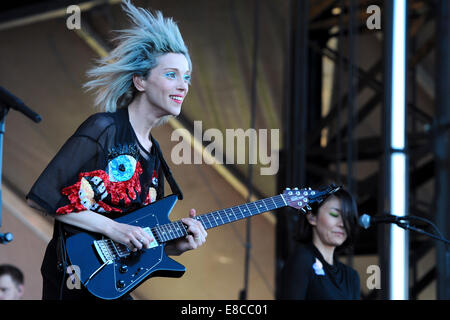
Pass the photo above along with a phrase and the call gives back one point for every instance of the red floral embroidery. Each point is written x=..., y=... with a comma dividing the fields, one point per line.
x=72, y=193
x=123, y=190
x=119, y=190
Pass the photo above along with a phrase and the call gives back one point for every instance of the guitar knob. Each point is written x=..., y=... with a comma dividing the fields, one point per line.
x=120, y=284
x=123, y=268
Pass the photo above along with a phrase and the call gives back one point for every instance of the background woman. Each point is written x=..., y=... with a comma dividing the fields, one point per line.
x=312, y=272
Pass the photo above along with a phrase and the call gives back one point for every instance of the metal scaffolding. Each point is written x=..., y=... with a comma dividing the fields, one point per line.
x=359, y=93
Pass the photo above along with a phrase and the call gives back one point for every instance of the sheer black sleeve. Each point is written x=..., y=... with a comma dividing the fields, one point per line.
x=83, y=152
x=297, y=275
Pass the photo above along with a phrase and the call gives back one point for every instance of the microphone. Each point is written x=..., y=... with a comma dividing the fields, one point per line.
x=6, y=237
x=13, y=102
x=366, y=221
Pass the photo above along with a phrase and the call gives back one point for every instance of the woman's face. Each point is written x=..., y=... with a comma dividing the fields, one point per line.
x=167, y=84
x=328, y=226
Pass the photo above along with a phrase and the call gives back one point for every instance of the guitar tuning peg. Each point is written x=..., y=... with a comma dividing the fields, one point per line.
x=308, y=207
x=303, y=209
x=295, y=188
x=309, y=188
x=288, y=188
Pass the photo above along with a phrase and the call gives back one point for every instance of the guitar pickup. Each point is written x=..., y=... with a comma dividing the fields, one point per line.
x=154, y=243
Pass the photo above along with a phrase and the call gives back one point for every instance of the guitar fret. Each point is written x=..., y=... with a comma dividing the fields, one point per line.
x=235, y=213
x=210, y=219
x=164, y=233
x=229, y=215
x=199, y=218
x=264, y=202
x=170, y=231
x=220, y=217
x=239, y=207
x=251, y=210
x=284, y=201
x=244, y=214
x=182, y=228
x=176, y=228
x=213, y=219
x=206, y=216
x=273, y=201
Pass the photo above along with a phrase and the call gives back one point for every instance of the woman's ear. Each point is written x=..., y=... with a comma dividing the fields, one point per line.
x=312, y=218
x=139, y=83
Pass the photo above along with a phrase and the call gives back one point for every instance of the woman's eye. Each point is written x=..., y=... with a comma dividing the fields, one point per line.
x=171, y=75
x=187, y=78
x=334, y=214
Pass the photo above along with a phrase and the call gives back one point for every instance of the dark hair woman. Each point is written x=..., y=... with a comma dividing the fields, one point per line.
x=312, y=272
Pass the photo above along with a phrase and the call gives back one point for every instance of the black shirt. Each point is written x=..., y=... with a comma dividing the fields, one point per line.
x=307, y=276
x=102, y=167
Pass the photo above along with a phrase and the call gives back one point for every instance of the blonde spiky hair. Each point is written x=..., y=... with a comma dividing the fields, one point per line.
x=139, y=47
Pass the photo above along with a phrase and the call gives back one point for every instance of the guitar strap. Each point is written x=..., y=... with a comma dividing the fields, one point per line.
x=167, y=173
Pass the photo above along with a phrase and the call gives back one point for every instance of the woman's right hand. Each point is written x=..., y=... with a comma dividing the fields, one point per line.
x=135, y=238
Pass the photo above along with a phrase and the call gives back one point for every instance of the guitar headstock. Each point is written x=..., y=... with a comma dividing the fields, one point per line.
x=302, y=198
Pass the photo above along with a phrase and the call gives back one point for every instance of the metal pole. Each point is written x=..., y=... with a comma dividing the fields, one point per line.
x=442, y=146
x=396, y=162
x=244, y=292
x=293, y=157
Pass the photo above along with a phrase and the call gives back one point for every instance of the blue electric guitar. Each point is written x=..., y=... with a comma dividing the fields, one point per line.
x=109, y=270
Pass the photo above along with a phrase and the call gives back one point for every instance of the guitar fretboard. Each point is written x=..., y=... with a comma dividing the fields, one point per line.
x=177, y=229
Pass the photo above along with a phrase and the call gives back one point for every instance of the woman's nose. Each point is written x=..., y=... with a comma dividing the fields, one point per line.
x=183, y=85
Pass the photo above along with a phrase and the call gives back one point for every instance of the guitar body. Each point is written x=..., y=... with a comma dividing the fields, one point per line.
x=111, y=280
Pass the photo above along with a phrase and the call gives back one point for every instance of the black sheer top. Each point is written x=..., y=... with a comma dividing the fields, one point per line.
x=103, y=168
x=307, y=276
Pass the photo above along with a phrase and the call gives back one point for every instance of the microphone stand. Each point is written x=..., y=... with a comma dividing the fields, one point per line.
x=7, y=237
x=7, y=101
x=407, y=226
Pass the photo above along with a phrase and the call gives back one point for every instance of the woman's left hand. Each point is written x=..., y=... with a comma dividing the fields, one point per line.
x=195, y=238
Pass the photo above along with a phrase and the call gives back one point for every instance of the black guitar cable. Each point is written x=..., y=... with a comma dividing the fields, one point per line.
x=63, y=255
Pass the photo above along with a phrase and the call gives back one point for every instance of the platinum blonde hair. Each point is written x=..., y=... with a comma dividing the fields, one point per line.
x=150, y=37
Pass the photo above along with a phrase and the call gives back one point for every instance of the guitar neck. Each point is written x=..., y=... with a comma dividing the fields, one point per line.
x=177, y=229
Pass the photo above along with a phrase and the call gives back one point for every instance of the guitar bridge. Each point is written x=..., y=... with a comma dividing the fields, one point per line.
x=108, y=250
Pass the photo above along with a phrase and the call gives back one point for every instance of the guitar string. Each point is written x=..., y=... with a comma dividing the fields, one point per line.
x=223, y=215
